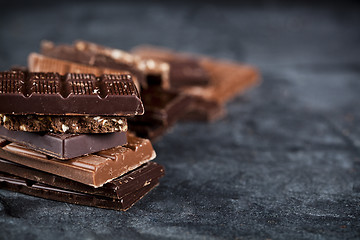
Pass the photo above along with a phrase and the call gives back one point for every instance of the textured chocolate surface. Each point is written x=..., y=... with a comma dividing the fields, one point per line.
x=65, y=146
x=61, y=124
x=94, y=169
x=71, y=94
x=21, y=185
x=116, y=189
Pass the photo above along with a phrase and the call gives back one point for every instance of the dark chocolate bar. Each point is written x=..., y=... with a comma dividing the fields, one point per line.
x=65, y=146
x=71, y=94
x=162, y=106
x=117, y=188
x=163, y=109
x=21, y=185
x=203, y=110
x=93, y=170
x=185, y=70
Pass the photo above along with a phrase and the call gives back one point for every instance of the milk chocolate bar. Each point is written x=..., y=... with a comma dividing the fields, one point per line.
x=93, y=169
x=71, y=94
x=65, y=146
x=21, y=185
x=116, y=189
x=89, y=58
x=41, y=63
x=228, y=79
x=61, y=124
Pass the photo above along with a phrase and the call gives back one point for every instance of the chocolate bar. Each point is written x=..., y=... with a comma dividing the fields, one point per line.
x=156, y=72
x=41, y=63
x=162, y=106
x=61, y=124
x=93, y=169
x=203, y=110
x=116, y=189
x=227, y=80
x=65, y=146
x=17, y=184
x=163, y=109
x=185, y=70
x=71, y=94
x=88, y=58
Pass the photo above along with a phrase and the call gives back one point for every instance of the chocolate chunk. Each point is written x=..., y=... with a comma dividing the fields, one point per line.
x=61, y=124
x=203, y=110
x=117, y=188
x=185, y=70
x=71, y=94
x=94, y=169
x=163, y=109
x=65, y=146
x=21, y=185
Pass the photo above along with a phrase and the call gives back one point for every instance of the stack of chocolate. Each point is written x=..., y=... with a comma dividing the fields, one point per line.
x=173, y=86
x=64, y=137
x=64, y=123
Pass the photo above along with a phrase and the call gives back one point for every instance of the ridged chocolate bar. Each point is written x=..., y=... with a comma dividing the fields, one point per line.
x=65, y=146
x=93, y=170
x=70, y=94
x=116, y=189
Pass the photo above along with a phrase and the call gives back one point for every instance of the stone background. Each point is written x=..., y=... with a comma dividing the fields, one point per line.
x=284, y=163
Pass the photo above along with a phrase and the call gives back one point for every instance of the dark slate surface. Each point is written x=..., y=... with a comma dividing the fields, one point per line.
x=285, y=162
